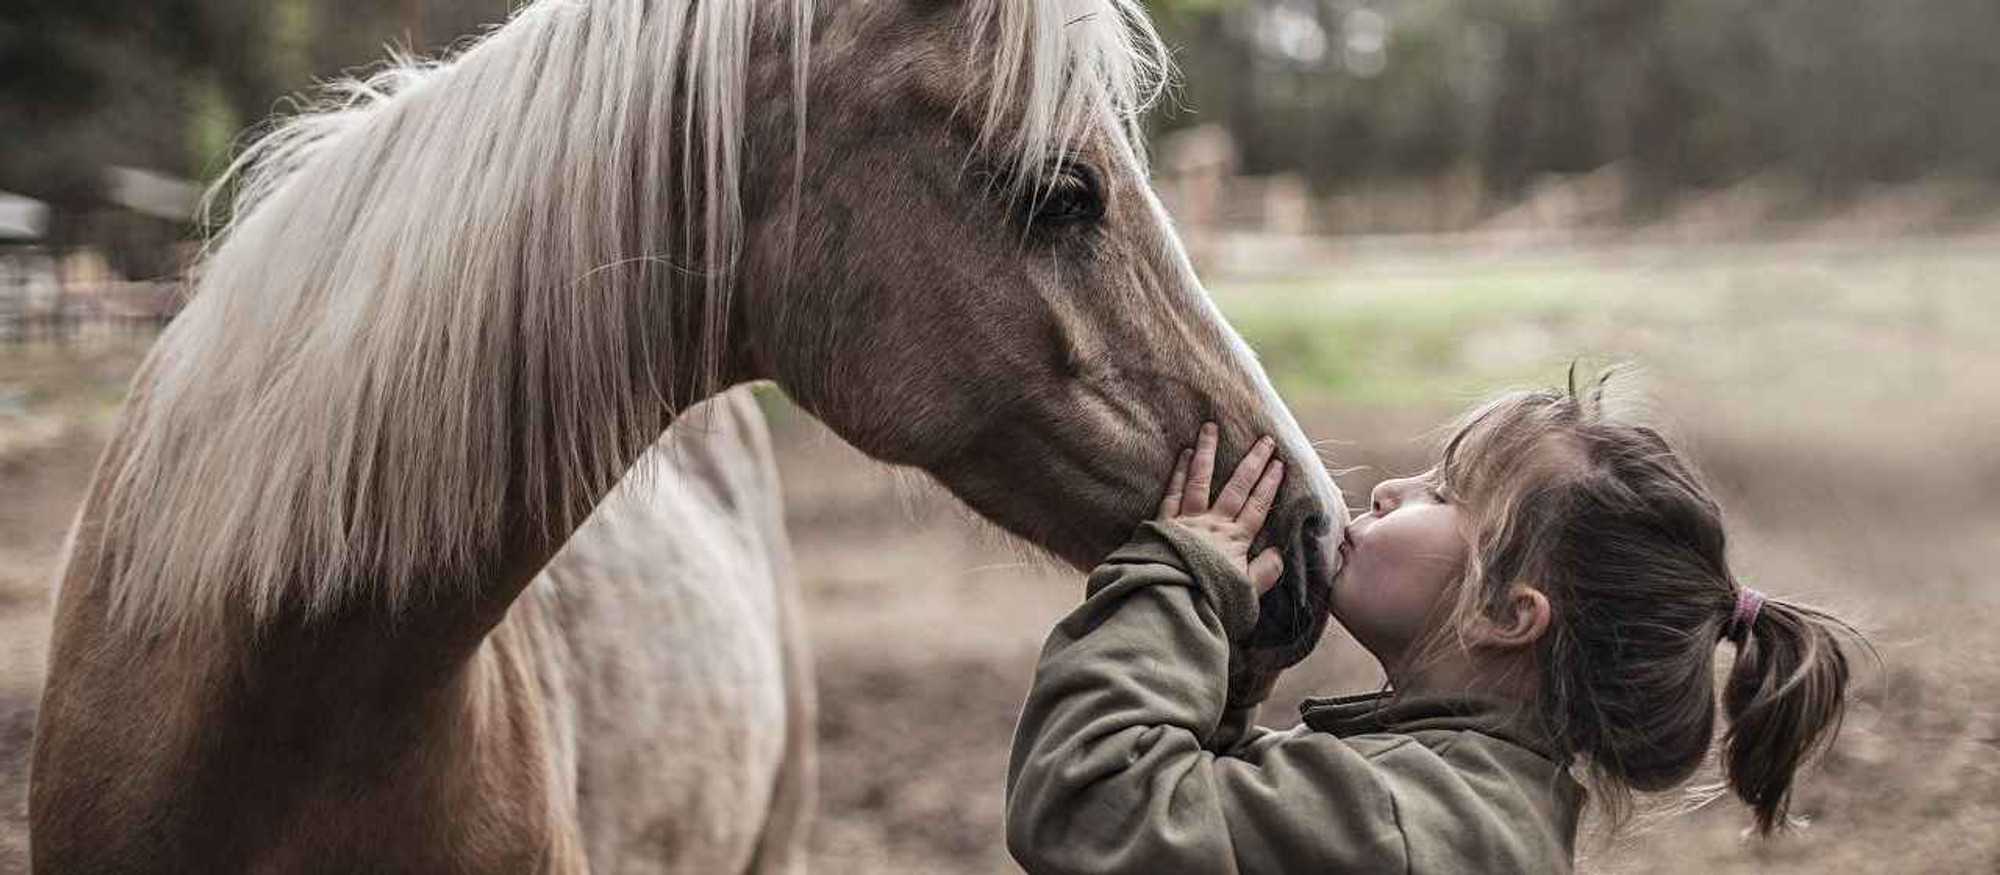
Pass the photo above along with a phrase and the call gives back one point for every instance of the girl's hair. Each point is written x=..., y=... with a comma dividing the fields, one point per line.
x=1622, y=536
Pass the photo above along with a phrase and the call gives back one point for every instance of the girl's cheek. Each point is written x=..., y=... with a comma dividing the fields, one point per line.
x=1412, y=606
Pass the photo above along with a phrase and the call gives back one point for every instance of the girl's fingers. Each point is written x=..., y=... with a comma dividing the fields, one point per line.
x=1194, y=499
x=1170, y=504
x=1266, y=569
x=1237, y=491
x=1258, y=505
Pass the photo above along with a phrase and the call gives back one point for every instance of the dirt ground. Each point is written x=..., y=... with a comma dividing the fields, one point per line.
x=1844, y=404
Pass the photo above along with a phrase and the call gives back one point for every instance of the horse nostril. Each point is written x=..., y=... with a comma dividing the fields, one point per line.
x=1313, y=530
x=1315, y=526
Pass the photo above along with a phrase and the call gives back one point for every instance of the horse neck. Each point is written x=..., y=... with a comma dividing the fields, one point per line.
x=230, y=737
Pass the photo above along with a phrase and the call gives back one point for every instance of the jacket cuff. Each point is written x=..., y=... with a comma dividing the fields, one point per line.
x=1169, y=544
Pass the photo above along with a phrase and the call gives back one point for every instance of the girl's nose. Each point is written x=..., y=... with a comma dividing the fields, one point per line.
x=1384, y=497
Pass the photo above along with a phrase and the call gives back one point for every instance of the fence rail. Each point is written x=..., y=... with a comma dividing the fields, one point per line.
x=41, y=300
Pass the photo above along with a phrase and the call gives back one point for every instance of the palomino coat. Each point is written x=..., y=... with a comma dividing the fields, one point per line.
x=1125, y=760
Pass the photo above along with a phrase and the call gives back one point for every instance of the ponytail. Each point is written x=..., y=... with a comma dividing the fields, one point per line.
x=1784, y=698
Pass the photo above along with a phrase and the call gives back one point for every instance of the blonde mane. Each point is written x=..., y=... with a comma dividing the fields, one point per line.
x=449, y=291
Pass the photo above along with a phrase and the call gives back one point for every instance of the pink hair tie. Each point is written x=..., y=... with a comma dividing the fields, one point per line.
x=1748, y=603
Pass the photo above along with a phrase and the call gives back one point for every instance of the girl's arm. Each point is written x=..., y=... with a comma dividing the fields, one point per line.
x=1111, y=768
x=1114, y=767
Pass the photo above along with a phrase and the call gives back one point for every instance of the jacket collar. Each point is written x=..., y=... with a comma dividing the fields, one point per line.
x=1505, y=719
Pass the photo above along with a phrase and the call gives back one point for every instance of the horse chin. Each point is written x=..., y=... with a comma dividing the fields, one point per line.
x=1293, y=614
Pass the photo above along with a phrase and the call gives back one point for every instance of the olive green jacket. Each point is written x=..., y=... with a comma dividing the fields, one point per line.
x=1125, y=760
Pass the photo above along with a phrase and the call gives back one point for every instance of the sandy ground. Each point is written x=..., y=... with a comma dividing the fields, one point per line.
x=1852, y=442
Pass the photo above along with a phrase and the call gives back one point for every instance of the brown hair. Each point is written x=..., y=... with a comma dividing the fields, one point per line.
x=1625, y=540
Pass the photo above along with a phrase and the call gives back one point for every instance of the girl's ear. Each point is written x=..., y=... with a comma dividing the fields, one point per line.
x=1519, y=622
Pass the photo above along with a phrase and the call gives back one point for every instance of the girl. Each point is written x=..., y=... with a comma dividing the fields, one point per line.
x=1547, y=602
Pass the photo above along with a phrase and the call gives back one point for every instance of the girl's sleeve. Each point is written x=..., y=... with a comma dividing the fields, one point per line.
x=1114, y=767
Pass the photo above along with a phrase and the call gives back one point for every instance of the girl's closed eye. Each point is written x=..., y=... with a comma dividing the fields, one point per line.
x=1434, y=486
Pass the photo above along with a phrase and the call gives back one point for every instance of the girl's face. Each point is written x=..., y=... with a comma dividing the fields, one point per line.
x=1404, y=555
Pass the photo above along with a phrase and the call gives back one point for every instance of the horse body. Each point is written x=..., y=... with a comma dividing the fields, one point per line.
x=685, y=760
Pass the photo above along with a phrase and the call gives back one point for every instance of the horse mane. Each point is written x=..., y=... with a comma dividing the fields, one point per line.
x=447, y=290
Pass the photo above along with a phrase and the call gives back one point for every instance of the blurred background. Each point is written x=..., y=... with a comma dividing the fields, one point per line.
x=1786, y=211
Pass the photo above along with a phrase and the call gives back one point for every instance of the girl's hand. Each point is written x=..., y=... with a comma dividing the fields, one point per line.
x=1232, y=523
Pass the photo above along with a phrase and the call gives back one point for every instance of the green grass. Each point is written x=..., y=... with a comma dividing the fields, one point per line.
x=1810, y=330
x=1396, y=341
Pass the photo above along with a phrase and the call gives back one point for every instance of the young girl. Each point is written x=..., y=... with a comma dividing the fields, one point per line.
x=1547, y=601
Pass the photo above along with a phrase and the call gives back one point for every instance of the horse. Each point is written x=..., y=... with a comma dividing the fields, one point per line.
x=437, y=534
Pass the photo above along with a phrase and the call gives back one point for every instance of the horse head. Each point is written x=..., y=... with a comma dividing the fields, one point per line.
x=970, y=274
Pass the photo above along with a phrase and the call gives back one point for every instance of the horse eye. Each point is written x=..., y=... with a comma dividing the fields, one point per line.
x=1071, y=198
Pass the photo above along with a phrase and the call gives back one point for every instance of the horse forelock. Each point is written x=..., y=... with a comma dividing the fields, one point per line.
x=1056, y=69
x=446, y=291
